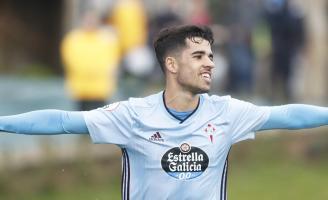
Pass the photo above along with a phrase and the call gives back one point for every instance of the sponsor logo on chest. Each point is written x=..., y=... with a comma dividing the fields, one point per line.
x=185, y=162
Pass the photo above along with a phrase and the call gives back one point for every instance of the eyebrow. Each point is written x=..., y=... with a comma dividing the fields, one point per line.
x=201, y=52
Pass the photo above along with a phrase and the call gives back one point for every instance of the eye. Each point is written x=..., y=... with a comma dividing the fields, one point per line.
x=198, y=57
x=211, y=57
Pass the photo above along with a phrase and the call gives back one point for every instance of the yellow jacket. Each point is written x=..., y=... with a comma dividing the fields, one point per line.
x=90, y=60
x=130, y=20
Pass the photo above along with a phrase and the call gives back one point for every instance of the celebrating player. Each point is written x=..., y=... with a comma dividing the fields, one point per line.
x=175, y=143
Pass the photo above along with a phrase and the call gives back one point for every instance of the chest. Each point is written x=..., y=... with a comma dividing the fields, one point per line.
x=182, y=151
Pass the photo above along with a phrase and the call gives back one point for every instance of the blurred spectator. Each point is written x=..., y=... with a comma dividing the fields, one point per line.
x=91, y=56
x=130, y=19
x=200, y=14
x=168, y=16
x=241, y=59
x=240, y=19
x=287, y=37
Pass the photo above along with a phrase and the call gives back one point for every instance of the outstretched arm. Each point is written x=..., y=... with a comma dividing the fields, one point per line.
x=44, y=122
x=296, y=116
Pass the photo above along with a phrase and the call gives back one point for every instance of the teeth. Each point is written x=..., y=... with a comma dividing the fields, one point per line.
x=205, y=75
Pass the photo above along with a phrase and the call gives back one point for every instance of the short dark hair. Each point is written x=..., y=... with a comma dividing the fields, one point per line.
x=173, y=38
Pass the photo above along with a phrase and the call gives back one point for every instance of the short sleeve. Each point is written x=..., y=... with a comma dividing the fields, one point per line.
x=110, y=124
x=245, y=118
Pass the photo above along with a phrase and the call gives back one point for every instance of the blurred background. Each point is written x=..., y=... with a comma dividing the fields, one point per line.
x=83, y=54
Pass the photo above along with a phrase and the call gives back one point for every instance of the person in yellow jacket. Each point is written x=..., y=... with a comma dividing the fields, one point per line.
x=130, y=19
x=91, y=56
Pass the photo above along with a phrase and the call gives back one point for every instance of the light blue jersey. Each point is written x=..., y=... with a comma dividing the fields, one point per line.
x=169, y=154
x=167, y=158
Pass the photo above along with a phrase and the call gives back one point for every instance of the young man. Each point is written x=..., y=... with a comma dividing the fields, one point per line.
x=175, y=143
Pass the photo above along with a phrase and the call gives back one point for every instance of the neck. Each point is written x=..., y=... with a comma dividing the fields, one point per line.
x=180, y=100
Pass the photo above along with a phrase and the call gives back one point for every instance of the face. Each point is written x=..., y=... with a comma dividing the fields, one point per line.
x=194, y=66
x=90, y=21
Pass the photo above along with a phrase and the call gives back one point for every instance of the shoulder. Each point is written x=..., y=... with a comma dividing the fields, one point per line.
x=73, y=33
x=216, y=100
x=215, y=104
x=225, y=103
x=136, y=107
x=145, y=103
x=71, y=37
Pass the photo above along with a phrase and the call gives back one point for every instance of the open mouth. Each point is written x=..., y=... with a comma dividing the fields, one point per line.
x=206, y=76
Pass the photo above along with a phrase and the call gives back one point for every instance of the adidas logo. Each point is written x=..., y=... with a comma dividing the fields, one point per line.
x=156, y=137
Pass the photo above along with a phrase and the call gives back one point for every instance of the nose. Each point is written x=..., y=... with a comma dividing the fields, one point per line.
x=209, y=63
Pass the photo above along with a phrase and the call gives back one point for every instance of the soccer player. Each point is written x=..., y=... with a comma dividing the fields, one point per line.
x=175, y=143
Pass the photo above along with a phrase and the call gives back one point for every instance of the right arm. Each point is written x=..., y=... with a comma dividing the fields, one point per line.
x=45, y=122
x=296, y=116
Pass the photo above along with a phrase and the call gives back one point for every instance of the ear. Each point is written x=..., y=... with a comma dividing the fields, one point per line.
x=171, y=64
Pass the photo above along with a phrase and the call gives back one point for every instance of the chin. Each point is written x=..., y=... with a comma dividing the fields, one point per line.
x=204, y=91
x=201, y=90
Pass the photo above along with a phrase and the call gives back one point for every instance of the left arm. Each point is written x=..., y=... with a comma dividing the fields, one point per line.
x=296, y=116
x=44, y=122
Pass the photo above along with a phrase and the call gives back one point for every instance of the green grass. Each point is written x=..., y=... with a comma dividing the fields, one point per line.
x=284, y=181
x=269, y=182
x=76, y=180
x=284, y=167
x=107, y=191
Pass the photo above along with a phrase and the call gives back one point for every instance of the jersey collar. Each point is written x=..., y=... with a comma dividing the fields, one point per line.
x=181, y=120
